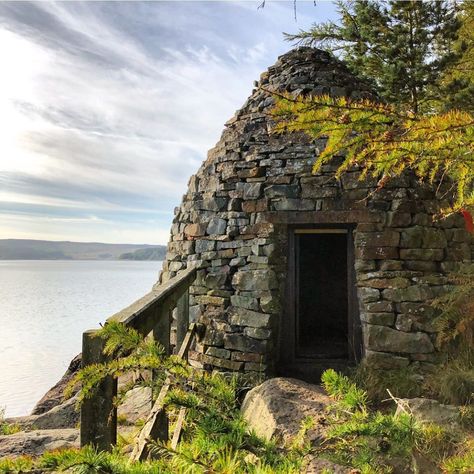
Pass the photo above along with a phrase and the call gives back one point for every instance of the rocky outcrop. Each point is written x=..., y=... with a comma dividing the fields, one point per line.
x=277, y=408
x=61, y=416
x=35, y=443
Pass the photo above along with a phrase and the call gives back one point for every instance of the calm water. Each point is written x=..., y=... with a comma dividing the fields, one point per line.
x=44, y=308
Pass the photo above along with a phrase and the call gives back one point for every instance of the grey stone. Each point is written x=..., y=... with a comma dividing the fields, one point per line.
x=216, y=226
x=281, y=190
x=246, y=302
x=412, y=293
x=35, y=443
x=216, y=280
x=384, y=360
x=246, y=317
x=270, y=303
x=255, y=280
x=367, y=295
x=218, y=352
x=257, y=333
x=205, y=246
x=252, y=190
x=384, y=319
x=294, y=205
x=384, y=339
x=136, y=405
x=276, y=408
x=243, y=343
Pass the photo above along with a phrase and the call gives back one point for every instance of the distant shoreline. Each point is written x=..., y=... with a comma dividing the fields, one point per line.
x=27, y=249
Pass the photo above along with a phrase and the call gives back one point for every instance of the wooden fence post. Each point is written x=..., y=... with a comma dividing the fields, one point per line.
x=182, y=319
x=98, y=414
x=161, y=334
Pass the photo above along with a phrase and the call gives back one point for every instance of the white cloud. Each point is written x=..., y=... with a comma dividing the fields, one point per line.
x=117, y=102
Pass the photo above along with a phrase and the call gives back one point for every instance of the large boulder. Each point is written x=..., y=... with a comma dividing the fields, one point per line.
x=61, y=416
x=35, y=443
x=277, y=407
x=135, y=406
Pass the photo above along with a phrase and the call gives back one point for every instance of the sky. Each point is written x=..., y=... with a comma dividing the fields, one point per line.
x=107, y=108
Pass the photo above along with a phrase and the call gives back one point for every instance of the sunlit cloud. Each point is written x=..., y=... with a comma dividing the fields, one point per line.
x=107, y=108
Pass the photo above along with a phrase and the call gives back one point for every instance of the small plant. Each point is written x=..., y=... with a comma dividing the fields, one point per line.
x=7, y=428
x=215, y=437
x=372, y=441
x=403, y=382
x=454, y=383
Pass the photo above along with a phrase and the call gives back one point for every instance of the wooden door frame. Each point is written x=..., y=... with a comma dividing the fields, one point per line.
x=288, y=329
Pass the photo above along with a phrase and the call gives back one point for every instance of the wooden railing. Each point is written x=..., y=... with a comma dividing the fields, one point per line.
x=151, y=314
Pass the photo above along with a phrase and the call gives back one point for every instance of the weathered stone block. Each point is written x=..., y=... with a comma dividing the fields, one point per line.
x=242, y=343
x=246, y=317
x=195, y=230
x=412, y=237
x=383, y=319
x=367, y=295
x=255, y=280
x=387, y=238
x=257, y=333
x=216, y=280
x=216, y=226
x=205, y=246
x=293, y=205
x=218, y=352
x=222, y=363
x=459, y=252
x=381, y=283
x=398, y=219
x=380, y=307
x=412, y=293
x=248, y=357
x=287, y=191
x=376, y=253
x=252, y=190
x=246, y=302
x=384, y=360
x=384, y=339
x=434, y=239
x=212, y=300
x=422, y=254
x=404, y=322
x=213, y=338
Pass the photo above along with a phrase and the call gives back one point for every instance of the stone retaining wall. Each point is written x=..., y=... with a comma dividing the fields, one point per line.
x=233, y=223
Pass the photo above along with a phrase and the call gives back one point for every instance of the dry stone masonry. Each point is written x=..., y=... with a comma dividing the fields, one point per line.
x=234, y=219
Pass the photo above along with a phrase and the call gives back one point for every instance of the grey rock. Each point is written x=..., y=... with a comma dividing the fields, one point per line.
x=246, y=317
x=276, y=408
x=216, y=226
x=35, y=443
x=381, y=338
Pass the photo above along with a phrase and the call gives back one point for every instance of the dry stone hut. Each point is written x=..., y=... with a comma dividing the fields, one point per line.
x=300, y=272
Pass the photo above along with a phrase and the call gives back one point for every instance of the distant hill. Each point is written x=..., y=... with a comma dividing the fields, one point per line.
x=151, y=253
x=23, y=249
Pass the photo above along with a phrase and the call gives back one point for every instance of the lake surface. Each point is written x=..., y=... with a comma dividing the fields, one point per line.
x=44, y=308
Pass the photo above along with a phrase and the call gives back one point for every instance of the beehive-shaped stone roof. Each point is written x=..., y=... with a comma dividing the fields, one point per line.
x=234, y=221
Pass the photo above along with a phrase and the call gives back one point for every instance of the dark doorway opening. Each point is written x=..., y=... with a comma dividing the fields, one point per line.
x=320, y=327
x=322, y=299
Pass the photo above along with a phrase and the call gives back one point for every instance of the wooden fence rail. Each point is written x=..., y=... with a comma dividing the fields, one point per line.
x=151, y=314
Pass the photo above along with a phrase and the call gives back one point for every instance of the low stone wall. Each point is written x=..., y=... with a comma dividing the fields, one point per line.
x=234, y=220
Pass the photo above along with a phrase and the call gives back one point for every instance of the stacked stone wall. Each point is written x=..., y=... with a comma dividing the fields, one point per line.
x=234, y=220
